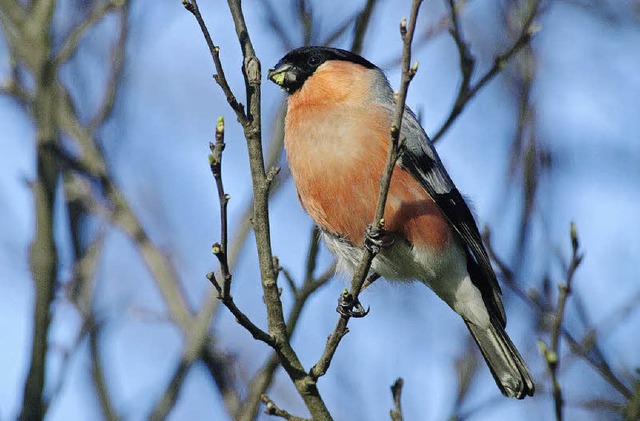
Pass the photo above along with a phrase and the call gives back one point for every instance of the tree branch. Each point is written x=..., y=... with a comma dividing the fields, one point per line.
x=467, y=91
x=97, y=372
x=220, y=78
x=272, y=409
x=117, y=67
x=552, y=354
x=362, y=23
x=163, y=407
x=43, y=251
x=70, y=44
x=598, y=363
x=264, y=378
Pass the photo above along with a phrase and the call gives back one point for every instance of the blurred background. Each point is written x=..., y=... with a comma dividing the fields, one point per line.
x=109, y=210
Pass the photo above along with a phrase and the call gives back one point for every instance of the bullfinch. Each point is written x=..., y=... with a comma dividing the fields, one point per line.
x=339, y=114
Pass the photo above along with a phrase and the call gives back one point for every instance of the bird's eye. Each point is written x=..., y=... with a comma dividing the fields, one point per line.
x=314, y=60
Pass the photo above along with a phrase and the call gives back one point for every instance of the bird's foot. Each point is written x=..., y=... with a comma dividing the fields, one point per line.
x=350, y=306
x=377, y=239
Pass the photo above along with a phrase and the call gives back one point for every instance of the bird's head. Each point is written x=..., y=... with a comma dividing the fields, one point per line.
x=298, y=65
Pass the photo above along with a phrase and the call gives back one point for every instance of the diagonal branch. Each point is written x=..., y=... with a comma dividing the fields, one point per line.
x=115, y=72
x=220, y=78
x=468, y=91
x=70, y=45
x=158, y=264
x=97, y=372
x=362, y=23
x=273, y=409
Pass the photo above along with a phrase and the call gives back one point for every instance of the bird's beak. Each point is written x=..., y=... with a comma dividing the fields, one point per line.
x=280, y=74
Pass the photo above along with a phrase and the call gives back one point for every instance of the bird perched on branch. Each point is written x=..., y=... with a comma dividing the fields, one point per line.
x=339, y=115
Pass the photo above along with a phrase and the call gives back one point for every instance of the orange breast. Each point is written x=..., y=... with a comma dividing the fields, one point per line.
x=336, y=146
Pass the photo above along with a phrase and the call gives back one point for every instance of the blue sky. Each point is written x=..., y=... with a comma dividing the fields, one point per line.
x=586, y=97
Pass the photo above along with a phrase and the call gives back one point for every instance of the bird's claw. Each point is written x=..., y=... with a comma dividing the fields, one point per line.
x=349, y=306
x=377, y=239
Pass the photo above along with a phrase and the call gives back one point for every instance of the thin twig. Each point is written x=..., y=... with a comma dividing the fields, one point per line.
x=167, y=401
x=215, y=163
x=117, y=61
x=97, y=372
x=272, y=409
x=467, y=62
x=362, y=23
x=598, y=362
x=220, y=78
x=552, y=353
x=321, y=367
x=241, y=318
x=467, y=91
x=221, y=366
x=70, y=44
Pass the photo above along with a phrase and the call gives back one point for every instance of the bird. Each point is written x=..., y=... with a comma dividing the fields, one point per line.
x=340, y=108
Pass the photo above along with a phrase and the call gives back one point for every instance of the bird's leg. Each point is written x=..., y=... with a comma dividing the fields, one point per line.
x=350, y=306
x=376, y=239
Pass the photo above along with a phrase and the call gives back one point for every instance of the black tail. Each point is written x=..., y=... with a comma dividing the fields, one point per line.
x=507, y=366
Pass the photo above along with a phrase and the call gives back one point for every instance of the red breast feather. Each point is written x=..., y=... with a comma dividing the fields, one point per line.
x=336, y=141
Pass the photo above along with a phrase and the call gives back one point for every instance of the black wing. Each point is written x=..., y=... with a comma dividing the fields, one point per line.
x=420, y=158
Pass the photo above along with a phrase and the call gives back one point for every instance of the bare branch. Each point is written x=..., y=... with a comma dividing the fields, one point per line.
x=221, y=367
x=467, y=91
x=276, y=25
x=241, y=318
x=272, y=409
x=115, y=72
x=215, y=163
x=552, y=354
x=305, y=385
x=305, y=18
x=43, y=250
x=362, y=23
x=95, y=15
x=263, y=379
x=220, y=78
x=631, y=410
x=92, y=160
x=165, y=404
x=12, y=86
x=108, y=410
x=597, y=362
